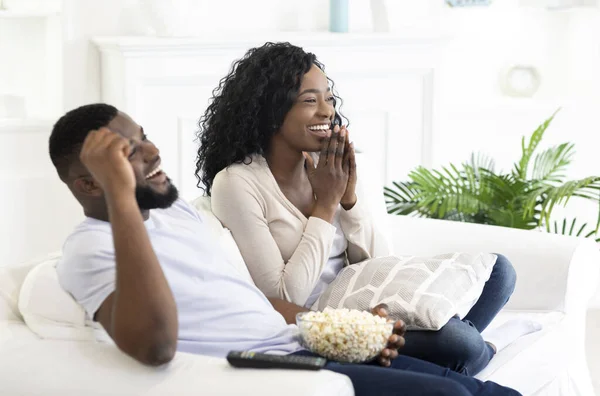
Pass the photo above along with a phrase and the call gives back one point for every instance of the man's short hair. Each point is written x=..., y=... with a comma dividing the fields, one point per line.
x=70, y=131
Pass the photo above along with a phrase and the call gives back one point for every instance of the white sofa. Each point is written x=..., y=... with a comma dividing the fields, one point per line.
x=557, y=277
x=55, y=352
x=68, y=360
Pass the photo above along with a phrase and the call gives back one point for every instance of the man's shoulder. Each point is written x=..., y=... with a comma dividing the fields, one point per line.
x=199, y=213
x=89, y=230
x=91, y=239
x=180, y=209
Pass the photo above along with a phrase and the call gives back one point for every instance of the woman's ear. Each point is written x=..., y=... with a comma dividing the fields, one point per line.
x=87, y=186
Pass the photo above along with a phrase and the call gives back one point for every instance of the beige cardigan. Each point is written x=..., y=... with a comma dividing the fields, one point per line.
x=285, y=252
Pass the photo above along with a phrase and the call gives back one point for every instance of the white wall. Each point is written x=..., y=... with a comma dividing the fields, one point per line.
x=471, y=113
x=87, y=18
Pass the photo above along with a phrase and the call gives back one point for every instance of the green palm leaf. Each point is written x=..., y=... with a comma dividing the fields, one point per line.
x=587, y=188
x=528, y=149
x=574, y=229
x=482, y=161
x=550, y=164
x=437, y=194
x=402, y=199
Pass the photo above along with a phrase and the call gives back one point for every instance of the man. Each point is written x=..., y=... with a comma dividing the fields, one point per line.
x=145, y=265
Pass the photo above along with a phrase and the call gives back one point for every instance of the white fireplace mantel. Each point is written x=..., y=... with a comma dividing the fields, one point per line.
x=387, y=82
x=141, y=45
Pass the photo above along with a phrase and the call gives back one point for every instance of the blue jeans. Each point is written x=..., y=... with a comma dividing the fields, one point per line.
x=412, y=377
x=459, y=345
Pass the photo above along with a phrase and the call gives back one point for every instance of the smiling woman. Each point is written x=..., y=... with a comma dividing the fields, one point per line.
x=259, y=141
x=282, y=174
x=252, y=101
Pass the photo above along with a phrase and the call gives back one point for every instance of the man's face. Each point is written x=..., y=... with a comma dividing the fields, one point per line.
x=154, y=189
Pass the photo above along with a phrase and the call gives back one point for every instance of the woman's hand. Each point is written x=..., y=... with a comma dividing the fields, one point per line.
x=349, y=198
x=329, y=179
x=396, y=340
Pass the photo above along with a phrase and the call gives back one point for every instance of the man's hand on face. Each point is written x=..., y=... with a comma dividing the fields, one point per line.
x=396, y=340
x=106, y=156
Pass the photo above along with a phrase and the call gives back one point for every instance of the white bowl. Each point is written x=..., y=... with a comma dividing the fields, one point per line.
x=344, y=340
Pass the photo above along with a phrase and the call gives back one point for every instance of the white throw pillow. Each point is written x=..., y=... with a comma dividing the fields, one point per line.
x=424, y=292
x=51, y=312
x=11, y=280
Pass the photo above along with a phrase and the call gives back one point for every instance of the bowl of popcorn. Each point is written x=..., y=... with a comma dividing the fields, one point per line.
x=344, y=335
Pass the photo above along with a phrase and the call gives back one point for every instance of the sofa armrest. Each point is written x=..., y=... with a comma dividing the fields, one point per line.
x=554, y=272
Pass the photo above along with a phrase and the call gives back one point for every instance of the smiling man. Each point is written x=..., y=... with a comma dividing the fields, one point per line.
x=146, y=266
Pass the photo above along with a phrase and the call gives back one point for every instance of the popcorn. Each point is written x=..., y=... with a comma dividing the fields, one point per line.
x=344, y=335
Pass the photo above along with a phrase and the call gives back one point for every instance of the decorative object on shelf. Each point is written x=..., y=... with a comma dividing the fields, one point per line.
x=338, y=16
x=33, y=6
x=520, y=81
x=522, y=198
x=12, y=106
x=467, y=3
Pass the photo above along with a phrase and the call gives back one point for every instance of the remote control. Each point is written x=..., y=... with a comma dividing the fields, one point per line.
x=263, y=360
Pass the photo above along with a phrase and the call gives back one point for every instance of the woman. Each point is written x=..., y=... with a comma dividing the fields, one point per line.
x=297, y=217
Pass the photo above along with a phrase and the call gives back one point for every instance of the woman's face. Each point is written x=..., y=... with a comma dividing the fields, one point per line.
x=307, y=122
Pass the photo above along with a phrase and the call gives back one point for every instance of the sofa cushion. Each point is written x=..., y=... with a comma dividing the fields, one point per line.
x=225, y=239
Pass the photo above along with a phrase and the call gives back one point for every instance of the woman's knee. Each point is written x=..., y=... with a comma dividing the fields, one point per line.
x=464, y=348
x=505, y=273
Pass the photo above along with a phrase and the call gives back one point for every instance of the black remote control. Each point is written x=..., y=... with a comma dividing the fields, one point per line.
x=263, y=360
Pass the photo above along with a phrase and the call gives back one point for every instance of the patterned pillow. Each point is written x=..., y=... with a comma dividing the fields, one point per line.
x=424, y=292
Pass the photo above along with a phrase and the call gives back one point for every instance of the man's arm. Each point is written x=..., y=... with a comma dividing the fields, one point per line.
x=287, y=309
x=140, y=315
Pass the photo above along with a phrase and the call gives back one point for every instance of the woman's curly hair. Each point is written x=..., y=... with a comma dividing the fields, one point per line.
x=249, y=106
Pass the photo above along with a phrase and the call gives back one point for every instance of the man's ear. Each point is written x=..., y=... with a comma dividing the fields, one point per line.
x=87, y=186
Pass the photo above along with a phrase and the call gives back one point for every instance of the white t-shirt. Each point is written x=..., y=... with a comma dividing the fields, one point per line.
x=337, y=259
x=219, y=309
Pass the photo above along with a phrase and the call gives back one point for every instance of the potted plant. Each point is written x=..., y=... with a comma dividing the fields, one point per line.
x=522, y=198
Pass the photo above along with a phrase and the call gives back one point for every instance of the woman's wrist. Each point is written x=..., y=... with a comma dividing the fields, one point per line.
x=349, y=204
x=324, y=211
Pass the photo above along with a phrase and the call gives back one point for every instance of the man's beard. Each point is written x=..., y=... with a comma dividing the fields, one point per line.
x=148, y=199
